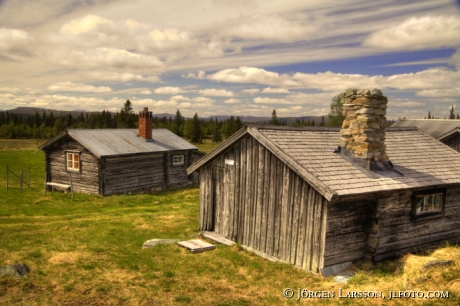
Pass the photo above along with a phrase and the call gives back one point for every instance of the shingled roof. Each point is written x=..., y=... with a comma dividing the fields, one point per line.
x=115, y=142
x=438, y=128
x=423, y=160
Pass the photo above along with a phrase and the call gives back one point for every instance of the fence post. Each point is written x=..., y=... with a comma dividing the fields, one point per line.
x=20, y=181
x=6, y=178
x=28, y=178
x=71, y=186
x=44, y=190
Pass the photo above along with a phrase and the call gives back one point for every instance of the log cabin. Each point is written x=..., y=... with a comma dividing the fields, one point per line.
x=322, y=197
x=444, y=130
x=110, y=161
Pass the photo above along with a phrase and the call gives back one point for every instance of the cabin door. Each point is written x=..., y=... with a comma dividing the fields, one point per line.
x=224, y=219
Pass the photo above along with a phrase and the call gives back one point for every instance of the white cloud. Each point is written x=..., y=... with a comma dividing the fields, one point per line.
x=250, y=91
x=336, y=82
x=75, y=87
x=399, y=103
x=63, y=102
x=169, y=37
x=14, y=44
x=261, y=100
x=216, y=92
x=123, y=77
x=168, y=90
x=434, y=78
x=268, y=27
x=11, y=89
x=440, y=93
x=141, y=91
x=251, y=75
x=161, y=104
x=111, y=58
x=7, y=97
x=418, y=33
x=455, y=59
x=83, y=25
x=203, y=100
x=200, y=75
x=179, y=98
x=275, y=90
x=232, y=101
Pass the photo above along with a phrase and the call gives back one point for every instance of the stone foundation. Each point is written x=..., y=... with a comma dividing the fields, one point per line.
x=363, y=130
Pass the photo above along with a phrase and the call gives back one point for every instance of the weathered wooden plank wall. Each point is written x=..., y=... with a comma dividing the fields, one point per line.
x=396, y=234
x=347, y=226
x=144, y=172
x=85, y=181
x=453, y=142
x=133, y=174
x=261, y=203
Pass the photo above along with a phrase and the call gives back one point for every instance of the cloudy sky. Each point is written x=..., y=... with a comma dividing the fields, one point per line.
x=222, y=57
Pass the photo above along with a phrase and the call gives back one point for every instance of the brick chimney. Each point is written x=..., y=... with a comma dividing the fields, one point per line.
x=145, y=124
x=362, y=136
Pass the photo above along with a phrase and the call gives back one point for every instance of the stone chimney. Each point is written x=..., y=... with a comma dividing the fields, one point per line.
x=145, y=124
x=362, y=136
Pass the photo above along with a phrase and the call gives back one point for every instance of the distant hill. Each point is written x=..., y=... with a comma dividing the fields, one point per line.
x=30, y=111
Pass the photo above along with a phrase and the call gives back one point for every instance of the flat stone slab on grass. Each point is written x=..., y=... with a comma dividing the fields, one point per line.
x=154, y=242
x=197, y=245
x=437, y=263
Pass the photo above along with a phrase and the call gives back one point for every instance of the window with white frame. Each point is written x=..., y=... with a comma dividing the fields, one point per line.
x=73, y=161
x=428, y=203
x=178, y=160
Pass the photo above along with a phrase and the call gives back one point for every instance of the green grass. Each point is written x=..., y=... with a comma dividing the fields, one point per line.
x=87, y=251
x=207, y=146
x=21, y=144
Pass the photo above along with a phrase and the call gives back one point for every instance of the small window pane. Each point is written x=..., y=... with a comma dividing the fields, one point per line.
x=419, y=203
x=429, y=203
x=73, y=161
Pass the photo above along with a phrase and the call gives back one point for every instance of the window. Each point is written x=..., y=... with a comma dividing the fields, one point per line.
x=73, y=161
x=178, y=160
x=428, y=204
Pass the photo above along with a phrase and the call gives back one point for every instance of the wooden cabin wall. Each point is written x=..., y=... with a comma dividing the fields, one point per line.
x=396, y=234
x=453, y=142
x=133, y=174
x=144, y=172
x=261, y=203
x=347, y=227
x=85, y=181
x=176, y=175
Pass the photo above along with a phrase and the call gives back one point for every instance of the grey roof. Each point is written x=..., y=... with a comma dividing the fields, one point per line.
x=423, y=160
x=110, y=142
x=438, y=128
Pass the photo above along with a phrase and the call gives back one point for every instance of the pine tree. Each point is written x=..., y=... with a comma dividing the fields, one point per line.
x=195, y=129
x=429, y=115
x=216, y=137
x=452, y=113
x=274, y=120
x=126, y=119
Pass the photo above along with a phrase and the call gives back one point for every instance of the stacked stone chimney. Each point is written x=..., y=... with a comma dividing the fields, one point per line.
x=363, y=130
x=145, y=124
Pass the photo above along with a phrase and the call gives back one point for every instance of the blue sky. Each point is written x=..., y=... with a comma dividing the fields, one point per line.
x=222, y=57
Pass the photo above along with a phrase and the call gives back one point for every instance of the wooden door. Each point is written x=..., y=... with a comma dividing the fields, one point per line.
x=223, y=180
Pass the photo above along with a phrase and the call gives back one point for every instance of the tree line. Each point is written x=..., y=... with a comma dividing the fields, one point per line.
x=46, y=125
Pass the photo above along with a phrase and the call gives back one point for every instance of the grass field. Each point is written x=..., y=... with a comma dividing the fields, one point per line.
x=21, y=144
x=87, y=251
